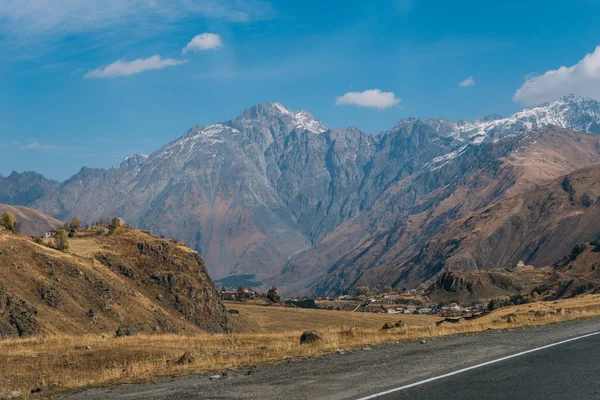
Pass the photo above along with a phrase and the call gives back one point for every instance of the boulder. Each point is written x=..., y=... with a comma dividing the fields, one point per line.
x=12, y=395
x=392, y=325
x=45, y=388
x=126, y=331
x=511, y=318
x=310, y=337
x=187, y=358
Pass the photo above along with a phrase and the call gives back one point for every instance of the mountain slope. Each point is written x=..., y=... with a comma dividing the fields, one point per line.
x=414, y=210
x=24, y=188
x=31, y=222
x=540, y=227
x=125, y=278
x=272, y=184
x=575, y=274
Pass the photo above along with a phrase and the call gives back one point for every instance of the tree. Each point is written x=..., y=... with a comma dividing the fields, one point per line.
x=75, y=223
x=240, y=292
x=61, y=240
x=72, y=227
x=273, y=295
x=9, y=221
x=388, y=289
x=363, y=290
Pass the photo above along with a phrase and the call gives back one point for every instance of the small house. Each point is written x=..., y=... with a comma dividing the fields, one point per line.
x=228, y=295
x=118, y=222
x=409, y=309
x=49, y=234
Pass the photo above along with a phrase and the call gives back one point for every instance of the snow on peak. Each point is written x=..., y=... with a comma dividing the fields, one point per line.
x=211, y=130
x=281, y=108
x=132, y=163
x=300, y=119
x=570, y=112
x=305, y=120
x=276, y=113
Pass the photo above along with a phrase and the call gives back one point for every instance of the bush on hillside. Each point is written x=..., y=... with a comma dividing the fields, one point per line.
x=9, y=222
x=61, y=240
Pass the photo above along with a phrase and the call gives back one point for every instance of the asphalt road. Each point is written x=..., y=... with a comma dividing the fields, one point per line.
x=566, y=371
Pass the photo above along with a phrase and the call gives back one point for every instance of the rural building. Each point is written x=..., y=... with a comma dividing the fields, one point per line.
x=118, y=222
x=229, y=295
x=49, y=234
x=409, y=309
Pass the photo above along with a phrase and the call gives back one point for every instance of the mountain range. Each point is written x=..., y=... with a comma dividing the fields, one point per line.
x=276, y=194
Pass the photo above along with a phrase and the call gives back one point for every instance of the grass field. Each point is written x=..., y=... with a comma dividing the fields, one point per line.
x=261, y=319
x=268, y=334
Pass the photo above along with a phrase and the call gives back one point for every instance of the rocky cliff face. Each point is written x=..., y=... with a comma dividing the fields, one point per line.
x=272, y=184
x=125, y=278
x=372, y=248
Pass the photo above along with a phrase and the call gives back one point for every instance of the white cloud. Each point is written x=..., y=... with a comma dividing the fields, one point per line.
x=126, y=68
x=582, y=79
x=470, y=81
x=374, y=98
x=36, y=146
x=45, y=17
x=204, y=41
x=32, y=145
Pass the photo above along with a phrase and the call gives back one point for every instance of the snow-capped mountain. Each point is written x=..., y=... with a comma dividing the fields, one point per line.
x=254, y=191
x=570, y=112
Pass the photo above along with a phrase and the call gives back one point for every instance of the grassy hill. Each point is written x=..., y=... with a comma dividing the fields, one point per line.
x=32, y=222
x=105, y=280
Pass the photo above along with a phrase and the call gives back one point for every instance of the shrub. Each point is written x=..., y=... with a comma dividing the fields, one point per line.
x=514, y=300
x=273, y=295
x=577, y=250
x=305, y=303
x=61, y=240
x=363, y=290
x=9, y=222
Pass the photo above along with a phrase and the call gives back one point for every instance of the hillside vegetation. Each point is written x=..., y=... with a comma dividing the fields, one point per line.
x=106, y=280
x=31, y=222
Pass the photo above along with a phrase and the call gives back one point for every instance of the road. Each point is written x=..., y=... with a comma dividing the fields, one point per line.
x=566, y=370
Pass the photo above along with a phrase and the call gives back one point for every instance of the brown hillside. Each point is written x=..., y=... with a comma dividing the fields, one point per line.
x=124, y=278
x=32, y=222
x=577, y=273
x=469, y=287
x=540, y=227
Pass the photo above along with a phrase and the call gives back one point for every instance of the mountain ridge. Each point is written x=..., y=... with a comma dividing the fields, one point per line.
x=270, y=184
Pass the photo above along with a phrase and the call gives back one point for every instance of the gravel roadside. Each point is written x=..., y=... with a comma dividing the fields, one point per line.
x=348, y=375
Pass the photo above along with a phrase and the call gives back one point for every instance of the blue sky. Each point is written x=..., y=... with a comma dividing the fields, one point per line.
x=64, y=103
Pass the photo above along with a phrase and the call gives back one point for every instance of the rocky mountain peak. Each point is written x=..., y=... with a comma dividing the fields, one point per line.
x=132, y=162
x=275, y=116
x=492, y=117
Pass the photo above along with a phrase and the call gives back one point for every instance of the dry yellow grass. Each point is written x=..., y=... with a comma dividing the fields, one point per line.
x=28, y=363
x=261, y=319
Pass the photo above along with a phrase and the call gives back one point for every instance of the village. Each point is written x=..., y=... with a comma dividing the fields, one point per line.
x=411, y=301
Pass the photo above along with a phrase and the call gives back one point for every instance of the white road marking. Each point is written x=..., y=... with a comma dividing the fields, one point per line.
x=460, y=371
